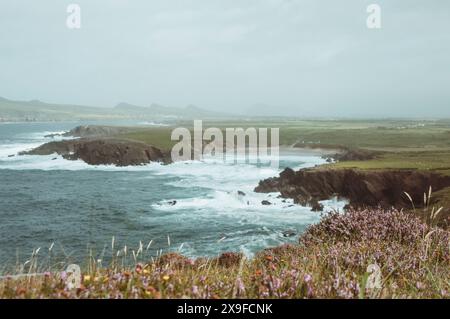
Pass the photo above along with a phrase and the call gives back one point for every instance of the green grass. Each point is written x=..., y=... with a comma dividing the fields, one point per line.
x=158, y=137
x=438, y=161
x=388, y=135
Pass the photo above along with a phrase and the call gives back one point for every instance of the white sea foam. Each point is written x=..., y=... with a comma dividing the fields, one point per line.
x=43, y=136
x=147, y=123
x=213, y=187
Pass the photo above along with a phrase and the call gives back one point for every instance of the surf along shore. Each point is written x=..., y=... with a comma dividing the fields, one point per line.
x=397, y=219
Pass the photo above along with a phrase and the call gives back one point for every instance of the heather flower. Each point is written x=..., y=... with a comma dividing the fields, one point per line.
x=307, y=278
x=240, y=286
x=330, y=261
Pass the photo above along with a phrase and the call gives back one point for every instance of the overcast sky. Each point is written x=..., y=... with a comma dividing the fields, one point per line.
x=300, y=57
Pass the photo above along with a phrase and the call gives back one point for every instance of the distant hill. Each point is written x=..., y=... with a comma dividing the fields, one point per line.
x=36, y=110
x=190, y=111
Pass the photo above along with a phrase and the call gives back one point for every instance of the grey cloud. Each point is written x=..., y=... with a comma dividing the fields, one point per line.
x=302, y=57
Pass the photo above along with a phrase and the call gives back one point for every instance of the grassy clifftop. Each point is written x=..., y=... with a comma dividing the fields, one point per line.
x=437, y=161
x=384, y=135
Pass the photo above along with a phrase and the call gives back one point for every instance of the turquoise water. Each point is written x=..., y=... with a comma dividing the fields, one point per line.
x=44, y=200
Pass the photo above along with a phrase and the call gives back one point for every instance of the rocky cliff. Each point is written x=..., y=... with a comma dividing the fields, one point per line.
x=104, y=151
x=361, y=188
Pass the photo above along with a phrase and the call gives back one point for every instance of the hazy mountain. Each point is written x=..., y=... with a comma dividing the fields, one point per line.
x=36, y=110
x=190, y=111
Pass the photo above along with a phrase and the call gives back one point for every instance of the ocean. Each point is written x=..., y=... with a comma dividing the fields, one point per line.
x=193, y=208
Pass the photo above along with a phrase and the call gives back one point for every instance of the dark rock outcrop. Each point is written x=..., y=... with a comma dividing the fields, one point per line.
x=289, y=233
x=361, y=188
x=316, y=206
x=104, y=151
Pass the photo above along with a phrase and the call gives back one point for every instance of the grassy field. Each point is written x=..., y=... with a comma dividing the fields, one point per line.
x=437, y=161
x=386, y=135
x=421, y=145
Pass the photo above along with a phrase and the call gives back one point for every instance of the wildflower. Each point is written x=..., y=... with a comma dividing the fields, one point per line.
x=146, y=271
x=420, y=285
x=307, y=278
x=240, y=286
x=195, y=290
x=138, y=268
x=269, y=258
x=258, y=272
x=166, y=277
x=87, y=278
x=190, y=262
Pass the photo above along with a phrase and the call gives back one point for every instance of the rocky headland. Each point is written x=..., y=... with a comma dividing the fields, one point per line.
x=361, y=188
x=104, y=151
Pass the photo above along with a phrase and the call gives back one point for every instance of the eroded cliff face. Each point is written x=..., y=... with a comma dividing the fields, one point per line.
x=104, y=151
x=362, y=188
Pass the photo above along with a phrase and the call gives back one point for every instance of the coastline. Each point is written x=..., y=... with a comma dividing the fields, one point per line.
x=272, y=262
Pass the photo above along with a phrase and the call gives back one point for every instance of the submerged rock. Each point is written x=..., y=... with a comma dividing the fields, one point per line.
x=316, y=206
x=266, y=203
x=289, y=233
